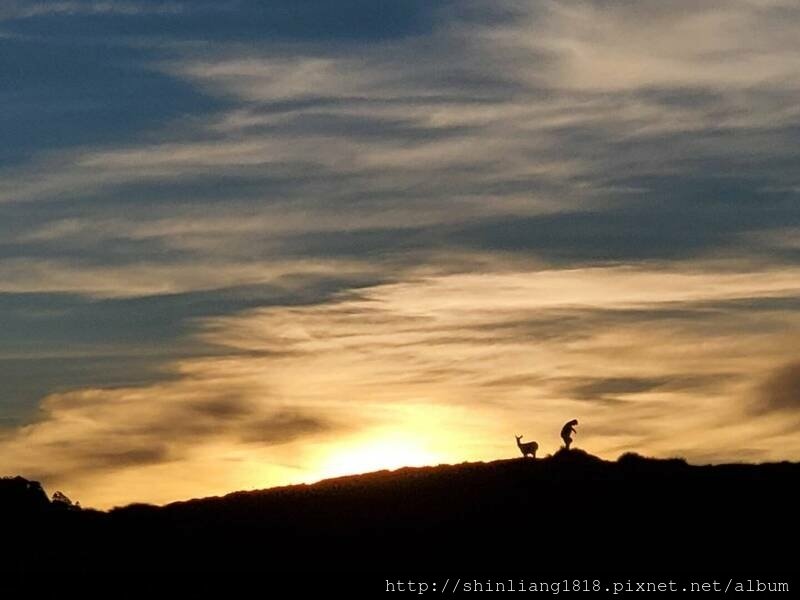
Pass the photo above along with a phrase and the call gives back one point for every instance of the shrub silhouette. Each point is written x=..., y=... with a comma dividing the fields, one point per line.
x=61, y=501
x=18, y=495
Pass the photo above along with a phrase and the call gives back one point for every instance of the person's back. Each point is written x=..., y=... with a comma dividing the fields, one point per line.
x=567, y=431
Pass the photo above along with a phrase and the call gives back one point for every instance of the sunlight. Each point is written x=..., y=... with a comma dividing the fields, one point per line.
x=375, y=455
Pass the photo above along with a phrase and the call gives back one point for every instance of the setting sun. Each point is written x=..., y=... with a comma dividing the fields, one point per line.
x=375, y=455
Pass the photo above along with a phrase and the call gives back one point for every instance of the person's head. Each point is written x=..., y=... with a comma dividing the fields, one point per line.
x=573, y=422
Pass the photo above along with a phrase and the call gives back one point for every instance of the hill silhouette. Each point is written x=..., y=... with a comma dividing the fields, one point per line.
x=570, y=512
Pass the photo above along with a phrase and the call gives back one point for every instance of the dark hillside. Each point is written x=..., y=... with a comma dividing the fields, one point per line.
x=571, y=511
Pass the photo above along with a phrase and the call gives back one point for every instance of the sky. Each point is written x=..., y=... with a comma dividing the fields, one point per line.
x=246, y=244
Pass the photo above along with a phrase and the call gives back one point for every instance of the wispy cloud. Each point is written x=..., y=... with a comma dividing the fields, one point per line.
x=651, y=372
x=26, y=9
x=143, y=279
x=498, y=119
x=780, y=390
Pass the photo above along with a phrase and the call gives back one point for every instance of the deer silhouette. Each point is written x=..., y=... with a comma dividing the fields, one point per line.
x=527, y=447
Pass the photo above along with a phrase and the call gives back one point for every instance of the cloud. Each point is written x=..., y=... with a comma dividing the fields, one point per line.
x=437, y=359
x=497, y=125
x=615, y=391
x=604, y=387
x=284, y=427
x=507, y=348
x=614, y=46
x=137, y=280
x=25, y=9
x=510, y=128
x=780, y=391
x=93, y=434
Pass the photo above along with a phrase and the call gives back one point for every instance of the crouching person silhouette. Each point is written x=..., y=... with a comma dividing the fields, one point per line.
x=567, y=431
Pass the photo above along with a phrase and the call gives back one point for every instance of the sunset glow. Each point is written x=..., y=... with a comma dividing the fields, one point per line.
x=377, y=455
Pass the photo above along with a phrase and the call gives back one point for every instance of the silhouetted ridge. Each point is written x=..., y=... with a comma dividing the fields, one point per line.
x=575, y=456
x=576, y=510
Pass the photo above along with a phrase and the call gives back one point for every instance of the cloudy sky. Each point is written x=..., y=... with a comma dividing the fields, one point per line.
x=245, y=244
